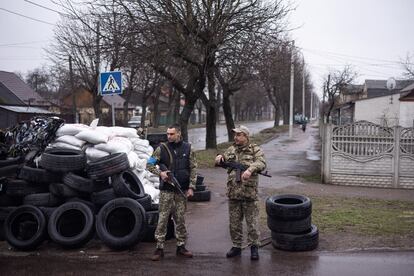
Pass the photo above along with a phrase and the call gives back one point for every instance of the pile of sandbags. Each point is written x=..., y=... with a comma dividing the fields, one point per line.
x=101, y=141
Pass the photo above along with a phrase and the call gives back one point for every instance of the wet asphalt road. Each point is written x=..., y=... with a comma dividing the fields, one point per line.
x=209, y=238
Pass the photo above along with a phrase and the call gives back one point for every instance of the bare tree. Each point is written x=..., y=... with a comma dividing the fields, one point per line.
x=408, y=66
x=335, y=82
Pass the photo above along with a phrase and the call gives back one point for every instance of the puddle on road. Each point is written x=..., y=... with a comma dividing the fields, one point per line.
x=313, y=155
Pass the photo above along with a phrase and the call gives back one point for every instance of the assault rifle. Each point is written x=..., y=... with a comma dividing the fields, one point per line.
x=172, y=180
x=240, y=168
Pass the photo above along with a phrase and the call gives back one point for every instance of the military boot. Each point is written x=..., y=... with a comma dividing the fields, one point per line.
x=254, y=252
x=158, y=254
x=233, y=252
x=182, y=251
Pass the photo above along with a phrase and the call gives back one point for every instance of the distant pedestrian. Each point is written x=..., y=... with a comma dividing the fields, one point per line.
x=243, y=195
x=178, y=157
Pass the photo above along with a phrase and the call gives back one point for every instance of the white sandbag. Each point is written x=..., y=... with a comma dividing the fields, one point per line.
x=143, y=155
x=141, y=164
x=92, y=136
x=153, y=178
x=154, y=193
x=124, y=132
x=71, y=129
x=133, y=159
x=93, y=154
x=71, y=140
x=150, y=150
x=141, y=174
x=141, y=148
x=63, y=145
x=139, y=142
x=115, y=145
x=105, y=130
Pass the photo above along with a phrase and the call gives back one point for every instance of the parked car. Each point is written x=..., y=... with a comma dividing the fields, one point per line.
x=135, y=121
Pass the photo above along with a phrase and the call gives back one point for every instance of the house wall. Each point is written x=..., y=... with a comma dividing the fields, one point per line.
x=407, y=114
x=380, y=110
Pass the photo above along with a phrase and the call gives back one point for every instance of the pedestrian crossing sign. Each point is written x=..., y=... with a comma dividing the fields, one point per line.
x=110, y=83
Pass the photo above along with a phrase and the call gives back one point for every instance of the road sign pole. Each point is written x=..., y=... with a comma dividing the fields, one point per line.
x=113, y=113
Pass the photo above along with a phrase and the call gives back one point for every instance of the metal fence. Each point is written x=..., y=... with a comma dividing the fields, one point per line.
x=366, y=154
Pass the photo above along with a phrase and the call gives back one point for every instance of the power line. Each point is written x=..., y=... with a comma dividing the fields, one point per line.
x=28, y=17
x=351, y=56
x=44, y=7
x=23, y=43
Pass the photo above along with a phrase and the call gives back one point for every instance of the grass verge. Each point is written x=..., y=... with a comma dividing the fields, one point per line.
x=360, y=216
x=205, y=158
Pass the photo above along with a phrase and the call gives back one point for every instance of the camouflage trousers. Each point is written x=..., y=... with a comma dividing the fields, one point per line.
x=171, y=204
x=239, y=209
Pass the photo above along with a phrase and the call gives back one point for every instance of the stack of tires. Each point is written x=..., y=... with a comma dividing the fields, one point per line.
x=66, y=200
x=289, y=219
x=201, y=192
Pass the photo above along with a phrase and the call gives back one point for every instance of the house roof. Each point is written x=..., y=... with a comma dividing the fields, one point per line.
x=408, y=88
x=20, y=89
x=115, y=99
x=378, y=88
x=353, y=89
x=25, y=109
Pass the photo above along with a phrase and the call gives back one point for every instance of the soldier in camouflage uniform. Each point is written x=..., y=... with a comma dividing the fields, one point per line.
x=179, y=158
x=243, y=196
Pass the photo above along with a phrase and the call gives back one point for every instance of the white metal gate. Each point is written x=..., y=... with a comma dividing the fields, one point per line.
x=366, y=154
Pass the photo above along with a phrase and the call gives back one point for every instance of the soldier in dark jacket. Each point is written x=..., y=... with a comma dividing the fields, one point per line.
x=243, y=196
x=179, y=158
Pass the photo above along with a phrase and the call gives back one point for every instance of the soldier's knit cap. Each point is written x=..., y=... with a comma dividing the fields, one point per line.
x=241, y=129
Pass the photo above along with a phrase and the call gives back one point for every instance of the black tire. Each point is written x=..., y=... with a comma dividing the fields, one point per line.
x=38, y=175
x=7, y=200
x=200, y=180
x=288, y=207
x=200, y=188
x=101, y=198
x=4, y=212
x=127, y=184
x=22, y=188
x=63, y=160
x=306, y=241
x=152, y=222
x=87, y=203
x=154, y=207
x=71, y=225
x=47, y=211
x=42, y=199
x=170, y=230
x=291, y=226
x=120, y=223
x=108, y=166
x=10, y=161
x=200, y=196
x=62, y=190
x=79, y=183
x=25, y=227
x=10, y=171
x=145, y=202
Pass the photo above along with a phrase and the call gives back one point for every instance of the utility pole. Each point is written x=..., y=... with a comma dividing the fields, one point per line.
x=292, y=79
x=303, y=87
x=72, y=87
x=311, y=107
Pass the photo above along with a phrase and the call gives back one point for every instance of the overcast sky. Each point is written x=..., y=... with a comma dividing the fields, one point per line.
x=371, y=35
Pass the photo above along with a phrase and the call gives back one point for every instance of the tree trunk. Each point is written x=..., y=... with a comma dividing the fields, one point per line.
x=277, y=118
x=156, y=115
x=228, y=115
x=211, y=106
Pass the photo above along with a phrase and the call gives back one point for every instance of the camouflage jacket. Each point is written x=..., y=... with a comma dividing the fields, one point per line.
x=252, y=156
x=156, y=157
